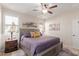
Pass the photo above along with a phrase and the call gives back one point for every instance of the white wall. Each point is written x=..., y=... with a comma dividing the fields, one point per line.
x=0, y=26
x=65, y=21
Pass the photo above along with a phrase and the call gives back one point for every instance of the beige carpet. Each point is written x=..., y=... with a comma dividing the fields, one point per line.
x=15, y=53
x=20, y=52
x=66, y=52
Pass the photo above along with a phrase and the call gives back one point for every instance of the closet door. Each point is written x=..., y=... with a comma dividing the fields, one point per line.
x=75, y=33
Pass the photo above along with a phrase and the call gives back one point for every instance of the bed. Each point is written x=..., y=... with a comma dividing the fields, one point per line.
x=42, y=46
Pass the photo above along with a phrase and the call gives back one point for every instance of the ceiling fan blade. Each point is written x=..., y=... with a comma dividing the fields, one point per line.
x=50, y=12
x=45, y=5
x=42, y=4
x=35, y=10
x=53, y=7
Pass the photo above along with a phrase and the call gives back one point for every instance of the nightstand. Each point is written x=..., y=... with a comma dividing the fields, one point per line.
x=11, y=45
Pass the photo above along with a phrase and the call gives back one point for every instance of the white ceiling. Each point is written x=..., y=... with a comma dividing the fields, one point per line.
x=27, y=8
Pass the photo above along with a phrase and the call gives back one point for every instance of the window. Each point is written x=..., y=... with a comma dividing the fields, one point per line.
x=8, y=23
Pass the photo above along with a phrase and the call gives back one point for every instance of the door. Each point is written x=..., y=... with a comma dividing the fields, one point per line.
x=75, y=33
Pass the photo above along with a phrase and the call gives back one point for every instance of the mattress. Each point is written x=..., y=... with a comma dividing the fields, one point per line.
x=37, y=45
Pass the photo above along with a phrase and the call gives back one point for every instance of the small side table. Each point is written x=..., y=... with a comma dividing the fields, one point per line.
x=11, y=45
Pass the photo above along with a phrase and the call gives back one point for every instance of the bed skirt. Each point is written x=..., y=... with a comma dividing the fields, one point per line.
x=52, y=51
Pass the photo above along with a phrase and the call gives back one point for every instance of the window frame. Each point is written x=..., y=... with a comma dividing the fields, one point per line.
x=10, y=24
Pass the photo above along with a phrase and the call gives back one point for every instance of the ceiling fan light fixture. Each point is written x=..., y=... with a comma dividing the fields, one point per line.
x=44, y=11
x=47, y=8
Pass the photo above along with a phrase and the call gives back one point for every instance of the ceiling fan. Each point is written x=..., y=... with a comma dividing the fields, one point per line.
x=46, y=8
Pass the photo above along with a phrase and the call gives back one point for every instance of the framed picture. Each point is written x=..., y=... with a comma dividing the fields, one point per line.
x=54, y=27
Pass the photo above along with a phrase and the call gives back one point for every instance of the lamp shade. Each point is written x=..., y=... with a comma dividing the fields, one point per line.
x=13, y=27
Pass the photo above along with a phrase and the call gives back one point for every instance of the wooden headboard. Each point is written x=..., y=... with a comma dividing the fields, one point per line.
x=28, y=30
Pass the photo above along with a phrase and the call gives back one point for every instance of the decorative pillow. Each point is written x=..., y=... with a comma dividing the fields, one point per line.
x=28, y=35
x=40, y=34
x=32, y=34
x=35, y=34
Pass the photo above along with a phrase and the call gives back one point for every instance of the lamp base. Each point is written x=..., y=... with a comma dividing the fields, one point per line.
x=11, y=35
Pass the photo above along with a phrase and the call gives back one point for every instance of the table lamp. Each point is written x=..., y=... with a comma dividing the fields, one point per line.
x=12, y=30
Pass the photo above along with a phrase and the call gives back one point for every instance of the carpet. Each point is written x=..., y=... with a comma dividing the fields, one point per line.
x=66, y=52
x=20, y=52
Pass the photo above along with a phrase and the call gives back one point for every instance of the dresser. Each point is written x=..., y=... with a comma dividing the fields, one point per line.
x=11, y=45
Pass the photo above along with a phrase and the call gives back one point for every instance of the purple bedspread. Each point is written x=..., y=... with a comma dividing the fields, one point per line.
x=37, y=45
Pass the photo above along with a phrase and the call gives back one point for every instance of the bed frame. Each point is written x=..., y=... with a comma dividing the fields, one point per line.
x=52, y=51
